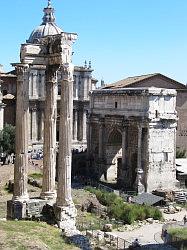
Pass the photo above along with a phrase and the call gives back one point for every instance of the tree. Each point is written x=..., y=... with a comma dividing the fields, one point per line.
x=180, y=153
x=7, y=139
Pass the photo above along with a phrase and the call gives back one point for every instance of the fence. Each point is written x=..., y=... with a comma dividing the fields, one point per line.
x=94, y=183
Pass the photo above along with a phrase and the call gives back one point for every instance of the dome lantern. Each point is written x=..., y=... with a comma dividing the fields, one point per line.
x=48, y=26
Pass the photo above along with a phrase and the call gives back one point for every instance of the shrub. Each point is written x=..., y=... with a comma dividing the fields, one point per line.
x=118, y=209
x=180, y=153
x=7, y=139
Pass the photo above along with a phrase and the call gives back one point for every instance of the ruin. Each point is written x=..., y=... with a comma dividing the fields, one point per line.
x=132, y=137
x=2, y=106
x=52, y=53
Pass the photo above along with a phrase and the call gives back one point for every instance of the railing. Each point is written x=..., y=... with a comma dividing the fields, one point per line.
x=94, y=183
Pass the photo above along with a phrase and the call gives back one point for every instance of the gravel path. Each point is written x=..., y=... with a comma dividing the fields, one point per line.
x=151, y=233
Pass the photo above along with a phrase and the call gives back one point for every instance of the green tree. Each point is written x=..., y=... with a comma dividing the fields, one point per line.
x=7, y=139
x=180, y=153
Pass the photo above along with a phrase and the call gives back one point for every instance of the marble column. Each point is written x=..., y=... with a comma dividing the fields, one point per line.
x=22, y=113
x=42, y=126
x=84, y=125
x=140, y=172
x=50, y=116
x=89, y=131
x=75, y=125
x=2, y=106
x=101, y=130
x=34, y=125
x=124, y=149
x=64, y=209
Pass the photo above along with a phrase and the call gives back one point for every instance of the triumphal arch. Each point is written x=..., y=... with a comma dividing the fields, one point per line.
x=52, y=53
x=132, y=136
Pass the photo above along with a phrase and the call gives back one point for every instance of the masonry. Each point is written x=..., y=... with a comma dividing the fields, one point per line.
x=132, y=136
x=55, y=52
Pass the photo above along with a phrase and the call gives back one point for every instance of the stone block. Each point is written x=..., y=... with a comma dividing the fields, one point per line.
x=16, y=210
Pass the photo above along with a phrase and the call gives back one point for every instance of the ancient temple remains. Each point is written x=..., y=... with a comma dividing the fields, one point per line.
x=132, y=137
x=2, y=106
x=52, y=53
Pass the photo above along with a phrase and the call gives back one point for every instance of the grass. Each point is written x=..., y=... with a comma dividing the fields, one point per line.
x=2, y=209
x=36, y=175
x=180, y=233
x=88, y=221
x=118, y=209
x=22, y=235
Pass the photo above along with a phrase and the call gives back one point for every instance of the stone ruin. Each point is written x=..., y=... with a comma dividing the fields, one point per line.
x=132, y=137
x=51, y=53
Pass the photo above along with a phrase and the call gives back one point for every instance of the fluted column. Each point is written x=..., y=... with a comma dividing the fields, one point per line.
x=50, y=116
x=22, y=113
x=65, y=210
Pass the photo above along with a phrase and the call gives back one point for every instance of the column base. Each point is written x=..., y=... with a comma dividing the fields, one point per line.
x=23, y=198
x=48, y=195
x=65, y=217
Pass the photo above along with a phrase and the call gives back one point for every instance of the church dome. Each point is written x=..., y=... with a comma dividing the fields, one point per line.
x=48, y=26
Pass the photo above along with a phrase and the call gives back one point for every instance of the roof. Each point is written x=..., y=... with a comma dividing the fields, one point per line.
x=137, y=79
x=147, y=199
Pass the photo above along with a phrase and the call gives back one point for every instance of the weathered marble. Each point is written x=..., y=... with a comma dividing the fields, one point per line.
x=22, y=112
x=64, y=209
x=138, y=148
x=50, y=117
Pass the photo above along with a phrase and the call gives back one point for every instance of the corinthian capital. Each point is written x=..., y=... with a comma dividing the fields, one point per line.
x=21, y=69
x=67, y=70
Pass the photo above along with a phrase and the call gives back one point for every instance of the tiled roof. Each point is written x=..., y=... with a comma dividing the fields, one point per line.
x=136, y=79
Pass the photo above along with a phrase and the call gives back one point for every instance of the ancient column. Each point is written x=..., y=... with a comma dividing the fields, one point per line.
x=42, y=126
x=2, y=106
x=101, y=166
x=22, y=113
x=65, y=210
x=124, y=148
x=75, y=125
x=50, y=116
x=101, y=130
x=140, y=172
x=89, y=131
x=84, y=125
x=34, y=125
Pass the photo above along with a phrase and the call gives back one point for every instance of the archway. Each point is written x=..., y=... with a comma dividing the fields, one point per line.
x=113, y=156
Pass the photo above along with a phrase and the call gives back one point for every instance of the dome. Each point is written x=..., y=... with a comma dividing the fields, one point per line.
x=48, y=26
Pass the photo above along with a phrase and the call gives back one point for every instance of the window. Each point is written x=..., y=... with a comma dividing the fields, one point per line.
x=116, y=105
x=166, y=157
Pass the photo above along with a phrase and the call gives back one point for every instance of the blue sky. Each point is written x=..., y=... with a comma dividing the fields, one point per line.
x=121, y=37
